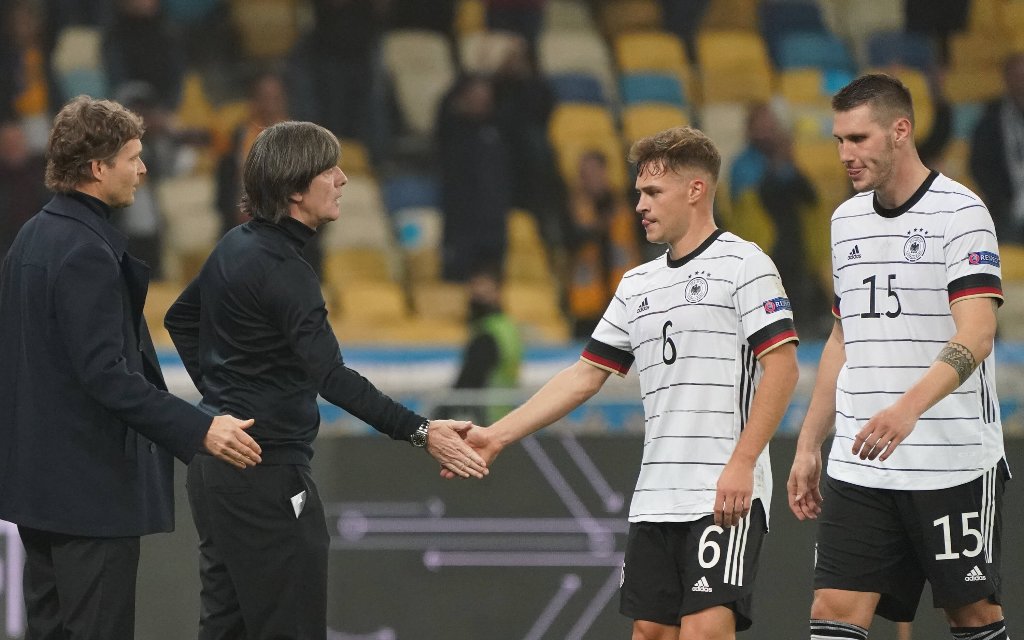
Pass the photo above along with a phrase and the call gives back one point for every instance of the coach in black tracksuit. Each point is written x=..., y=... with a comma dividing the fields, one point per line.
x=253, y=333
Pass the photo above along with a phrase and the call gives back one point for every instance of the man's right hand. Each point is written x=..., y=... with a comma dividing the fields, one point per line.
x=228, y=441
x=803, y=486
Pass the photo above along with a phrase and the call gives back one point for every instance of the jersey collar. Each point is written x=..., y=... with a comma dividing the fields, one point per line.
x=905, y=207
x=675, y=264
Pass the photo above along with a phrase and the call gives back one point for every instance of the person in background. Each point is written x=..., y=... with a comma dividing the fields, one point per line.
x=88, y=428
x=997, y=154
x=22, y=191
x=494, y=353
x=603, y=243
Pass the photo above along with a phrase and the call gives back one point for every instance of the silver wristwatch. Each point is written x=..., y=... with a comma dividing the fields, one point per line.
x=419, y=436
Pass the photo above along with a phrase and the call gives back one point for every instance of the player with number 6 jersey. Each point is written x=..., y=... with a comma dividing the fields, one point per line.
x=710, y=329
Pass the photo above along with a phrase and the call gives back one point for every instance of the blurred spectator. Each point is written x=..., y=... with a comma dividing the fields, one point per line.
x=683, y=18
x=476, y=188
x=937, y=19
x=139, y=46
x=604, y=243
x=268, y=104
x=436, y=15
x=518, y=16
x=492, y=357
x=337, y=72
x=765, y=182
x=997, y=154
x=524, y=101
x=24, y=83
x=22, y=192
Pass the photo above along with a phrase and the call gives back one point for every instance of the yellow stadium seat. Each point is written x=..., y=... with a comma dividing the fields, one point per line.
x=803, y=87
x=569, y=153
x=422, y=70
x=440, y=300
x=355, y=159
x=620, y=16
x=642, y=120
x=371, y=304
x=358, y=264
x=660, y=51
x=195, y=110
x=486, y=51
x=268, y=28
x=580, y=122
x=731, y=14
x=735, y=67
x=470, y=17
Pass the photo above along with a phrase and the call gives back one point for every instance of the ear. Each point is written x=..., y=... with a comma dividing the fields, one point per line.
x=96, y=169
x=698, y=187
x=903, y=130
x=295, y=198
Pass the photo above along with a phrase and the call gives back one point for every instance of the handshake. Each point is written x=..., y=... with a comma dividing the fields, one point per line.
x=462, y=448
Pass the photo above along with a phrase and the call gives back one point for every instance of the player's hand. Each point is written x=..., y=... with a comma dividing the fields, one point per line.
x=883, y=433
x=483, y=441
x=228, y=441
x=734, y=492
x=803, y=486
x=446, y=443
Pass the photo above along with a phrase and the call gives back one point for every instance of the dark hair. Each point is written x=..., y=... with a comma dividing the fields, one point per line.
x=283, y=160
x=674, y=149
x=84, y=130
x=887, y=97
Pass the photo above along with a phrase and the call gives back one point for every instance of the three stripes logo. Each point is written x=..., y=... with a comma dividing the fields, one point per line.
x=975, y=575
x=702, y=585
x=643, y=306
x=854, y=254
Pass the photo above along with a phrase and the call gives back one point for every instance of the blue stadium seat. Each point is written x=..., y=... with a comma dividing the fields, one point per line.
x=779, y=19
x=651, y=87
x=913, y=50
x=814, y=49
x=836, y=79
x=411, y=190
x=577, y=87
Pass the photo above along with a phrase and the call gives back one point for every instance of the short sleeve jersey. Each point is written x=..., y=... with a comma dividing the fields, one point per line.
x=897, y=272
x=695, y=327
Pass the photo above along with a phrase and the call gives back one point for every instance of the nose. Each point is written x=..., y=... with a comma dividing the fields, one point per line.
x=844, y=154
x=641, y=204
x=142, y=167
x=341, y=180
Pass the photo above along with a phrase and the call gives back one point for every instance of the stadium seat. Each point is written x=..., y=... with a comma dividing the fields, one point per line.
x=470, y=17
x=485, y=51
x=77, y=63
x=411, y=190
x=419, y=231
x=780, y=19
x=641, y=120
x=731, y=14
x=363, y=221
x=352, y=265
x=192, y=224
x=577, y=87
x=965, y=118
x=914, y=50
x=725, y=123
x=803, y=86
x=355, y=158
x=569, y=152
x=825, y=51
x=567, y=15
x=268, y=28
x=735, y=67
x=621, y=16
x=440, y=301
x=421, y=69
x=371, y=304
x=580, y=122
x=654, y=51
x=577, y=52
x=638, y=88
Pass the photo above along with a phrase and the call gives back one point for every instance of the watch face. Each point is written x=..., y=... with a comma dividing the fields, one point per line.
x=419, y=437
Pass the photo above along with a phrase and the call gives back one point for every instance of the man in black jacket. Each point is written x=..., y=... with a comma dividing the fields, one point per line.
x=253, y=333
x=87, y=427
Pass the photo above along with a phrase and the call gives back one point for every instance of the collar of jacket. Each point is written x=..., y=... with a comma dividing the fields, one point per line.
x=77, y=208
x=296, y=232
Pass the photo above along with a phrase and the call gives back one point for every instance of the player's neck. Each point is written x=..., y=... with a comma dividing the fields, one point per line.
x=907, y=178
x=693, y=238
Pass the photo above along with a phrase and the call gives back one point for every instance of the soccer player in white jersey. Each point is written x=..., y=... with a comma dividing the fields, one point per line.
x=916, y=470
x=711, y=330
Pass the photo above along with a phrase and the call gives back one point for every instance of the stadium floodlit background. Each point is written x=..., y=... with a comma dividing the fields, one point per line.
x=534, y=551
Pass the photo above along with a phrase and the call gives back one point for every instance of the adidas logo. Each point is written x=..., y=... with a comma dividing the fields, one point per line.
x=702, y=585
x=855, y=254
x=643, y=306
x=975, y=575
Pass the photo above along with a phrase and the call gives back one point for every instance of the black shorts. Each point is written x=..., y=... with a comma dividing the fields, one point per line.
x=889, y=542
x=673, y=569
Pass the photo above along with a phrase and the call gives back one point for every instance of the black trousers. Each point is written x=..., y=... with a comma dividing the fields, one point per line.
x=263, y=569
x=79, y=588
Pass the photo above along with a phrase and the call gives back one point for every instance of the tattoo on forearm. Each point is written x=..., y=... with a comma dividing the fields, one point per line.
x=960, y=358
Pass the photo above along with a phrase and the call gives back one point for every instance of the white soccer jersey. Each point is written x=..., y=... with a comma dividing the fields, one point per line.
x=896, y=273
x=695, y=327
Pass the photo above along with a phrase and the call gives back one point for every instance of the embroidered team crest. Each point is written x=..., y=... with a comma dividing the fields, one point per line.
x=983, y=257
x=777, y=304
x=914, y=247
x=696, y=289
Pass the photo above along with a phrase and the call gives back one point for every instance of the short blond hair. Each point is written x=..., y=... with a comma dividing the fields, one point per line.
x=675, y=149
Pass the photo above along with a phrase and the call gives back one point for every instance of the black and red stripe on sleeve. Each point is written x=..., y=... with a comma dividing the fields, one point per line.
x=607, y=357
x=778, y=332
x=976, y=285
x=835, y=308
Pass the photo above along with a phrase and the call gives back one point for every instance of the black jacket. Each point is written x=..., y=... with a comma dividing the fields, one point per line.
x=84, y=400
x=253, y=333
